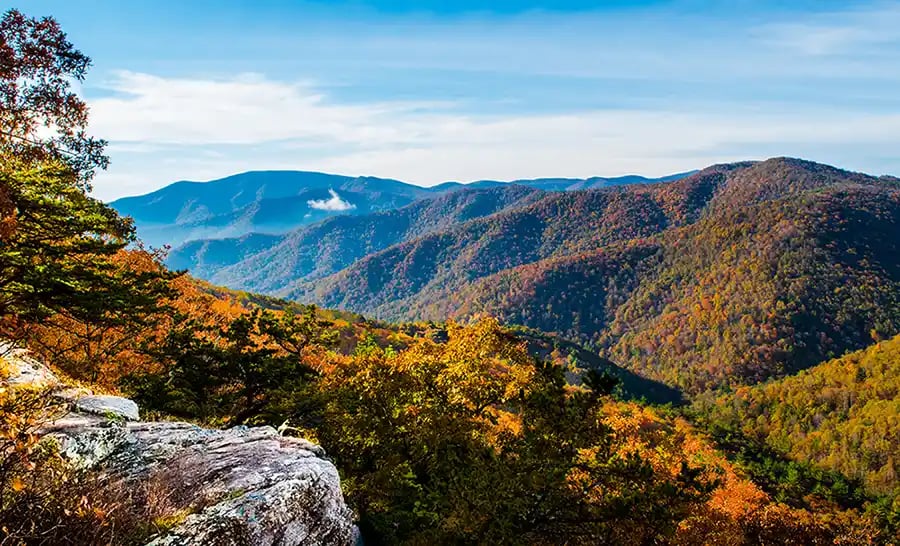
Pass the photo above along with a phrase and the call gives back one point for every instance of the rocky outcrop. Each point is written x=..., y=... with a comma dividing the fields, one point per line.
x=241, y=486
x=25, y=370
x=113, y=406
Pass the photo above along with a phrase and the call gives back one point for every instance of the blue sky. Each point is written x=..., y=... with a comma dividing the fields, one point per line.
x=433, y=91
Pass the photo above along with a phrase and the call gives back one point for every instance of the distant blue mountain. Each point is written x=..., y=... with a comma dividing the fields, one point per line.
x=278, y=202
x=565, y=184
x=260, y=201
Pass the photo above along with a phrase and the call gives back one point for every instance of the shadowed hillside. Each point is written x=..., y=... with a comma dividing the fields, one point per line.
x=733, y=275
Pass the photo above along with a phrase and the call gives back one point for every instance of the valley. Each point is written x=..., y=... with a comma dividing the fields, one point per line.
x=294, y=358
x=733, y=275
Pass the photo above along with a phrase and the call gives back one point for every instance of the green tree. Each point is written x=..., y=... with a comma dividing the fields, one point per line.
x=57, y=244
x=58, y=253
x=41, y=117
x=252, y=370
x=473, y=441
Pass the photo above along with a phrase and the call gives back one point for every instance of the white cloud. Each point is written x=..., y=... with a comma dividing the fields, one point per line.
x=242, y=110
x=333, y=204
x=166, y=129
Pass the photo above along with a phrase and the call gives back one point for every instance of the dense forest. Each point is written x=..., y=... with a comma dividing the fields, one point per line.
x=728, y=277
x=420, y=272
x=476, y=431
x=841, y=415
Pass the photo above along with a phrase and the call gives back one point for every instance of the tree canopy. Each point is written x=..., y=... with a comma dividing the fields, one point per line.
x=41, y=116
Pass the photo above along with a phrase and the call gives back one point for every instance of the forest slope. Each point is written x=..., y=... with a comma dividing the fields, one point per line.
x=402, y=281
x=843, y=415
x=736, y=274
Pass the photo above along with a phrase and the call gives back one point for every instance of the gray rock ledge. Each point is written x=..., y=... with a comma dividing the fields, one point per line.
x=236, y=487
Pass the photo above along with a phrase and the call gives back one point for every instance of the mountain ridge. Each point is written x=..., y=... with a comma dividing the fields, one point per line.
x=336, y=242
x=734, y=248
x=775, y=265
x=277, y=202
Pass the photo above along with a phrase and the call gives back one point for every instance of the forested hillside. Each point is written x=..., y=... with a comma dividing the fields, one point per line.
x=731, y=276
x=470, y=431
x=766, y=289
x=843, y=415
x=559, y=224
x=265, y=263
x=397, y=282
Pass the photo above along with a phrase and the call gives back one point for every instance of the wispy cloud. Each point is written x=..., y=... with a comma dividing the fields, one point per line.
x=264, y=124
x=529, y=95
x=334, y=203
x=853, y=31
x=245, y=109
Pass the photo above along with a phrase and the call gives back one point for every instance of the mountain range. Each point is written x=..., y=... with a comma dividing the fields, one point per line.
x=761, y=299
x=728, y=276
x=277, y=202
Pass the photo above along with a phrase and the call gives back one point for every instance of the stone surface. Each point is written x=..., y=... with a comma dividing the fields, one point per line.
x=243, y=486
x=240, y=486
x=112, y=406
x=25, y=370
x=86, y=441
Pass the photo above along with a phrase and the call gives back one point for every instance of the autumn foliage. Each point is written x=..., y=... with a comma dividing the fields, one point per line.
x=457, y=433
